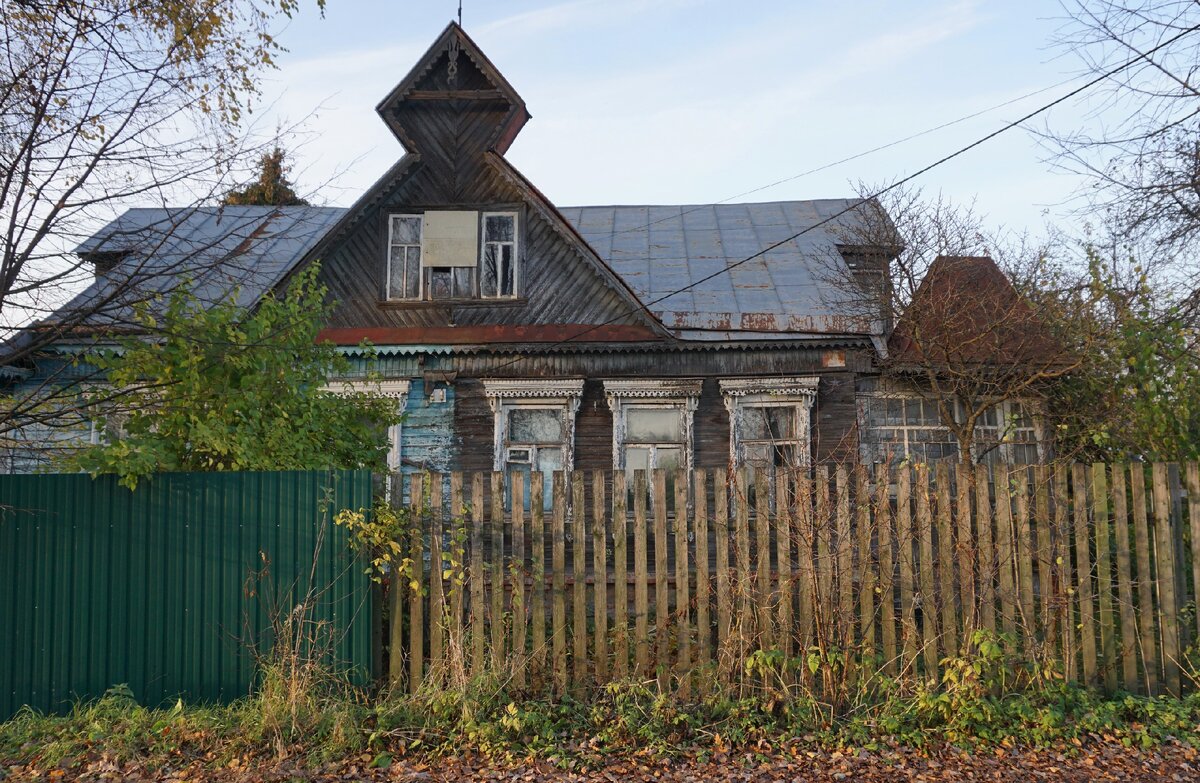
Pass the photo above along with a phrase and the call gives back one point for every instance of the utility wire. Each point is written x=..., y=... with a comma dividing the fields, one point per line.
x=881, y=192
x=856, y=156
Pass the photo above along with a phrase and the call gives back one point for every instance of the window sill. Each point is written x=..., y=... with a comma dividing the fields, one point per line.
x=425, y=304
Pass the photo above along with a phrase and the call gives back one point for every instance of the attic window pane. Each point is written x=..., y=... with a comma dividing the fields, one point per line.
x=506, y=270
x=396, y=268
x=406, y=230
x=440, y=286
x=499, y=228
x=463, y=279
x=534, y=426
x=654, y=425
x=412, y=274
x=488, y=278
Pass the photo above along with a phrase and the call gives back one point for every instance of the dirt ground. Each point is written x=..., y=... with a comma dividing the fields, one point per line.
x=1104, y=762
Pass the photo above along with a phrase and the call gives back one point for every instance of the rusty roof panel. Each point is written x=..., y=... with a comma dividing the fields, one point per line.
x=658, y=250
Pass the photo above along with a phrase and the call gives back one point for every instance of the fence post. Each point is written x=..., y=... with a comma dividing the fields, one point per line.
x=478, y=628
x=764, y=619
x=683, y=634
x=641, y=586
x=887, y=566
x=703, y=623
x=416, y=555
x=620, y=497
x=537, y=534
x=929, y=633
x=1164, y=550
x=1100, y=521
x=1193, y=493
x=579, y=572
x=496, y=523
x=1005, y=555
x=520, y=615
x=558, y=631
x=1083, y=568
x=783, y=544
x=1129, y=669
x=945, y=552
x=721, y=542
x=600, y=576
x=437, y=597
x=457, y=582
x=662, y=611
x=1062, y=556
x=904, y=541
x=397, y=593
x=1146, y=630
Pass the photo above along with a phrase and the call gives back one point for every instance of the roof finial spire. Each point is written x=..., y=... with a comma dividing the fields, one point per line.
x=460, y=13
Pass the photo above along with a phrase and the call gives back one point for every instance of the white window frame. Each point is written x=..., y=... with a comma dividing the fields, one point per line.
x=387, y=261
x=505, y=395
x=680, y=395
x=796, y=392
x=396, y=389
x=1004, y=407
x=516, y=247
x=1005, y=448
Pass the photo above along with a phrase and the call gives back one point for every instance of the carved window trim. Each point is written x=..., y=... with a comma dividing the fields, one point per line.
x=396, y=389
x=681, y=395
x=798, y=392
x=503, y=395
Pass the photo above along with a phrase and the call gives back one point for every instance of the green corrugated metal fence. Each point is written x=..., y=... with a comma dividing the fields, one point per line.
x=169, y=589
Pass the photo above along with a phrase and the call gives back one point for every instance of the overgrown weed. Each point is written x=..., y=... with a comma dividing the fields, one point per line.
x=989, y=698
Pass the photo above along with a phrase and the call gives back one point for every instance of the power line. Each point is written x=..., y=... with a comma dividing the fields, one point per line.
x=881, y=192
x=856, y=156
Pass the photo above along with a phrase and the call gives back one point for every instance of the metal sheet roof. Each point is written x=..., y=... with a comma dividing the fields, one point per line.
x=219, y=250
x=658, y=250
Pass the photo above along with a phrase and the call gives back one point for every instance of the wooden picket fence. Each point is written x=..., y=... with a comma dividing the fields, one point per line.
x=1092, y=568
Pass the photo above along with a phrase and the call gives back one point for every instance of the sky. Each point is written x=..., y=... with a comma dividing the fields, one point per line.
x=700, y=101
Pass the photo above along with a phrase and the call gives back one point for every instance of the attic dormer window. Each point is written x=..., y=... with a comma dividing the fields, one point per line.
x=404, y=257
x=498, y=275
x=452, y=255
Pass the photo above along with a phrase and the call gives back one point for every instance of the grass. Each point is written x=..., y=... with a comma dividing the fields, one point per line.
x=302, y=710
x=335, y=722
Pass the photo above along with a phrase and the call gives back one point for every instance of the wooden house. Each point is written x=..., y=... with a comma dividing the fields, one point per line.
x=518, y=334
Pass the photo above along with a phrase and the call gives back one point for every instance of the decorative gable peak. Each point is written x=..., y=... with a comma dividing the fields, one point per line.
x=454, y=91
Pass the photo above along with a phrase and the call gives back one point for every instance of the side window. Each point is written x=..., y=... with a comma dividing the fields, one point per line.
x=534, y=426
x=654, y=437
x=1008, y=432
x=771, y=436
x=403, y=280
x=498, y=265
x=769, y=420
x=652, y=423
x=910, y=428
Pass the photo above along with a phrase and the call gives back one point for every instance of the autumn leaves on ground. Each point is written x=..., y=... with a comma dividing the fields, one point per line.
x=991, y=717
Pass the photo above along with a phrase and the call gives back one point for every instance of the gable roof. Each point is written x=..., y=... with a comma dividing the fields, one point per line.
x=218, y=250
x=647, y=251
x=966, y=312
x=789, y=291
